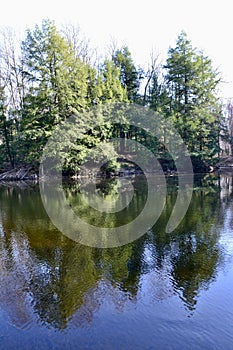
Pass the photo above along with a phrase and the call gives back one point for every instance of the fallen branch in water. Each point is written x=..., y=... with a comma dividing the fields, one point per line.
x=18, y=174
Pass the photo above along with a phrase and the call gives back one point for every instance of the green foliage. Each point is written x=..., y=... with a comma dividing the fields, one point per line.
x=129, y=76
x=57, y=81
x=195, y=109
x=112, y=88
x=61, y=84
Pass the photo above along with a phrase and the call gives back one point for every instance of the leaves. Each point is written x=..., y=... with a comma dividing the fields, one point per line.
x=53, y=78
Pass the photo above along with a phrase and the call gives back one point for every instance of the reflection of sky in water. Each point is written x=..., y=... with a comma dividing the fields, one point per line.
x=226, y=239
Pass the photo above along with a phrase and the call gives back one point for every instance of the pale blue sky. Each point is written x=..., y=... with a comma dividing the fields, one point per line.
x=143, y=25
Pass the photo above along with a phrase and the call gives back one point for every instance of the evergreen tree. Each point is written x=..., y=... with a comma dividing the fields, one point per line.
x=60, y=84
x=57, y=85
x=112, y=87
x=191, y=83
x=129, y=76
x=54, y=78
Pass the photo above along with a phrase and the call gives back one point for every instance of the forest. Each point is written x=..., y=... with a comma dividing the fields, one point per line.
x=53, y=73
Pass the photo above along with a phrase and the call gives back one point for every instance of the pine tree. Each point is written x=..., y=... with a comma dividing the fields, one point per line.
x=57, y=86
x=112, y=88
x=191, y=83
x=129, y=76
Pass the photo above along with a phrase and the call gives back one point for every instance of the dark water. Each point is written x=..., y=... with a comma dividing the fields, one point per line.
x=163, y=291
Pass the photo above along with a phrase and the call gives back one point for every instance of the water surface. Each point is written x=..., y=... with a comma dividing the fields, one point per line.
x=163, y=291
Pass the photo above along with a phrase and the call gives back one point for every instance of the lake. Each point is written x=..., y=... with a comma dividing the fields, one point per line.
x=162, y=291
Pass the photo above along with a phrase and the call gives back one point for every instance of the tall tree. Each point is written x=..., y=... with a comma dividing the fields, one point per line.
x=12, y=92
x=12, y=69
x=58, y=83
x=6, y=127
x=112, y=88
x=191, y=82
x=152, y=85
x=227, y=134
x=129, y=75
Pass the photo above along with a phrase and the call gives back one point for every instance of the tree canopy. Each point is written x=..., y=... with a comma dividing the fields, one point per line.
x=51, y=77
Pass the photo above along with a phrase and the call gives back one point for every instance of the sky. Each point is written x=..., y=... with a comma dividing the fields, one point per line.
x=144, y=26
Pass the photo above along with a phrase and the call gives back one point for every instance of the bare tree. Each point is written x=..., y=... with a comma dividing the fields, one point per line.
x=79, y=43
x=153, y=67
x=12, y=73
x=113, y=47
x=229, y=122
x=12, y=88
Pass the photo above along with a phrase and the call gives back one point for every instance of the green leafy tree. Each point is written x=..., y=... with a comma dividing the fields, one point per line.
x=129, y=76
x=54, y=76
x=111, y=85
x=191, y=83
x=57, y=86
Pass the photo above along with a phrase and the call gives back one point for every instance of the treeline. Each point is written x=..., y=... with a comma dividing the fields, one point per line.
x=53, y=74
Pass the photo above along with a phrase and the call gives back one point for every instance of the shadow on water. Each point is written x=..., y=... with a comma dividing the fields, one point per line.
x=49, y=279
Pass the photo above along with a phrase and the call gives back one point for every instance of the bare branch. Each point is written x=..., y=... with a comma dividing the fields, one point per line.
x=79, y=43
x=153, y=67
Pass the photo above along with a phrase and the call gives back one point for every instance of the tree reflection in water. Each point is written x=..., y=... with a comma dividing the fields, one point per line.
x=48, y=277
